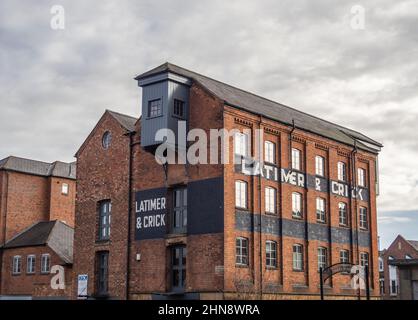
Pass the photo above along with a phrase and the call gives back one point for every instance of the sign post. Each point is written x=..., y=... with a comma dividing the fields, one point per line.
x=321, y=283
x=366, y=271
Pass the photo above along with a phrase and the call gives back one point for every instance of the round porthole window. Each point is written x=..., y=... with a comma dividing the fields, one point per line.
x=106, y=140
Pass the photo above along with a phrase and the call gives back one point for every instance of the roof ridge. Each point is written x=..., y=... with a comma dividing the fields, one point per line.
x=121, y=114
x=168, y=64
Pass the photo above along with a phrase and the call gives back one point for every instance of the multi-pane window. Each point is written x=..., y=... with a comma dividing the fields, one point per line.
x=270, y=200
x=178, y=109
x=178, y=268
x=322, y=258
x=30, y=263
x=102, y=272
x=361, y=177
x=344, y=256
x=296, y=205
x=319, y=166
x=296, y=159
x=45, y=263
x=393, y=279
x=17, y=265
x=320, y=209
x=382, y=286
x=271, y=254
x=269, y=152
x=364, y=259
x=65, y=189
x=105, y=210
x=241, y=144
x=342, y=211
x=363, y=218
x=241, y=194
x=180, y=210
x=155, y=108
x=381, y=265
x=241, y=251
x=342, y=171
x=297, y=257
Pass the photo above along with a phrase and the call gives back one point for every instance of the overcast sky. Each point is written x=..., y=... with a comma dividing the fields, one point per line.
x=55, y=84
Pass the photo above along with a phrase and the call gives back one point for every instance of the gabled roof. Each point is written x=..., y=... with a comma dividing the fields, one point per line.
x=126, y=122
x=55, y=234
x=276, y=111
x=55, y=169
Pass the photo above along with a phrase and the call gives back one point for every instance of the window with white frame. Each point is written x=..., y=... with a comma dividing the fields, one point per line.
x=45, y=263
x=269, y=152
x=65, y=189
x=17, y=265
x=342, y=171
x=342, y=212
x=241, y=144
x=393, y=280
x=381, y=265
x=408, y=257
x=270, y=200
x=297, y=257
x=241, y=249
x=240, y=194
x=320, y=209
x=105, y=214
x=344, y=256
x=361, y=177
x=319, y=166
x=363, y=217
x=271, y=254
x=364, y=259
x=296, y=159
x=30, y=263
x=296, y=205
x=322, y=258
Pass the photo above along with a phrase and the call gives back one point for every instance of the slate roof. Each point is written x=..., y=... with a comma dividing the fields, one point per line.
x=413, y=243
x=55, y=234
x=55, y=169
x=126, y=121
x=253, y=103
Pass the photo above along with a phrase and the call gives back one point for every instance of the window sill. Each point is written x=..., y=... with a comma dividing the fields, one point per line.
x=344, y=226
x=241, y=208
x=102, y=242
x=295, y=270
x=16, y=274
x=238, y=265
x=272, y=268
x=297, y=217
x=270, y=213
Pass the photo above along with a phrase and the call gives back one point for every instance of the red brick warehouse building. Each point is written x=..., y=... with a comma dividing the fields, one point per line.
x=151, y=231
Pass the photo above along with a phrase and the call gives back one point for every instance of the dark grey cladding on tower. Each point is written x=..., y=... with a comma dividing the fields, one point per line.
x=165, y=102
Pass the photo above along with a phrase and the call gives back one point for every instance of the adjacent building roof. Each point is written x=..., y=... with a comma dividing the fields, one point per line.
x=55, y=234
x=55, y=169
x=126, y=121
x=253, y=103
x=413, y=243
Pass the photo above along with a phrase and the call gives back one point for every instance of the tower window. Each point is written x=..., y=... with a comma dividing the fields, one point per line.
x=155, y=108
x=178, y=108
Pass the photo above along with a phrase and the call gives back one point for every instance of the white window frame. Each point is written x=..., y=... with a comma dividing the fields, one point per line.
x=408, y=257
x=65, y=188
x=31, y=264
x=241, y=144
x=363, y=212
x=320, y=210
x=361, y=177
x=342, y=171
x=271, y=254
x=297, y=205
x=241, y=257
x=344, y=221
x=322, y=258
x=241, y=194
x=320, y=166
x=17, y=265
x=364, y=257
x=344, y=256
x=297, y=257
x=269, y=152
x=381, y=265
x=296, y=159
x=45, y=263
x=270, y=196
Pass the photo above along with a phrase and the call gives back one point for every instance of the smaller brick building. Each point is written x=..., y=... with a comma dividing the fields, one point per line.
x=29, y=257
x=390, y=260
x=32, y=192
